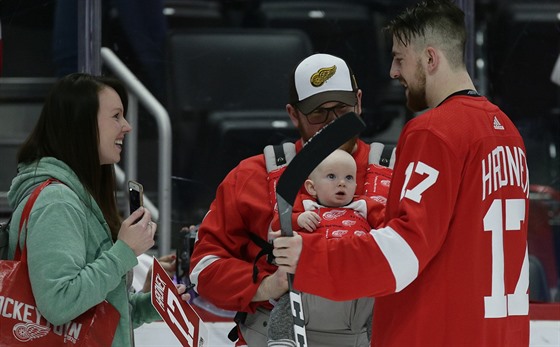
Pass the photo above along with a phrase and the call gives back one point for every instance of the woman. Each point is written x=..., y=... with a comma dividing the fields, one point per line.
x=79, y=252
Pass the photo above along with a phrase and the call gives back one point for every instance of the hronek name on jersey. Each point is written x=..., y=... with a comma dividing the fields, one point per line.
x=504, y=166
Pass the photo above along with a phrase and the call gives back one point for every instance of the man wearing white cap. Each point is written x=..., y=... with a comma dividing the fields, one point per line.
x=225, y=264
x=322, y=87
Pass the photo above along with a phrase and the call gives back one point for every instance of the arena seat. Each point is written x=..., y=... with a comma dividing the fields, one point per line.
x=241, y=70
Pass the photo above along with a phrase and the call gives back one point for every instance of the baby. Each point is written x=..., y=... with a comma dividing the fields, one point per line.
x=329, y=207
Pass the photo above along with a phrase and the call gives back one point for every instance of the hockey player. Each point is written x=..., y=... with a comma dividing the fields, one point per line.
x=450, y=268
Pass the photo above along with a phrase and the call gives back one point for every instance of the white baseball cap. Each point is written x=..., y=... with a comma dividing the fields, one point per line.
x=322, y=78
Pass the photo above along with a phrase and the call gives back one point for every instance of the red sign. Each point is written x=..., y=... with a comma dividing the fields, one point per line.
x=177, y=313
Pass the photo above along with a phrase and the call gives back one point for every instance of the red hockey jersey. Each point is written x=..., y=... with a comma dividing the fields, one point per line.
x=450, y=268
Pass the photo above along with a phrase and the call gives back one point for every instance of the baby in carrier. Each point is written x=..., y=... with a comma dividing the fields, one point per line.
x=329, y=209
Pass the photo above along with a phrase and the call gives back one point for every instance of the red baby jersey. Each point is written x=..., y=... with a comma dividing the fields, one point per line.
x=450, y=268
x=362, y=213
x=356, y=217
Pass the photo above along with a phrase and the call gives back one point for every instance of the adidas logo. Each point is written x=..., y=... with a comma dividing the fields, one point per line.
x=497, y=124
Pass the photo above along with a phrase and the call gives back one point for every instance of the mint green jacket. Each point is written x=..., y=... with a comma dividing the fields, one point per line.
x=73, y=262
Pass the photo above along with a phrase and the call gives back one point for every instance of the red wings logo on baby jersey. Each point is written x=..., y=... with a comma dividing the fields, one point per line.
x=348, y=223
x=360, y=233
x=337, y=233
x=25, y=332
x=380, y=199
x=333, y=214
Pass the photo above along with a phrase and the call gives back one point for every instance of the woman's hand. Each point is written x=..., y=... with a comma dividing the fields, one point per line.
x=138, y=236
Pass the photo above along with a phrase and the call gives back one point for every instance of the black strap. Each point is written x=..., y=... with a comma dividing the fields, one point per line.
x=239, y=318
x=279, y=155
x=233, y=334
x=266, y=249
x=386, y=154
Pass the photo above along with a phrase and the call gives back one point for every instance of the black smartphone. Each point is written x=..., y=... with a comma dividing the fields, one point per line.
x=135, y=195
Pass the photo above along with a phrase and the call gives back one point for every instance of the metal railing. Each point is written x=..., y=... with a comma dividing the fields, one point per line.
x=139, y=93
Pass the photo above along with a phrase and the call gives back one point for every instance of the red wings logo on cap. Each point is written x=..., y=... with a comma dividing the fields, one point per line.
x=322, y=75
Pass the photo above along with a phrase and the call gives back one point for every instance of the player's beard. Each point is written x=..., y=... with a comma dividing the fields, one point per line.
x=416, y=96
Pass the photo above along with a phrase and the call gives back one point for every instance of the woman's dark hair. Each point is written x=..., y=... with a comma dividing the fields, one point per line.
x=67, y=130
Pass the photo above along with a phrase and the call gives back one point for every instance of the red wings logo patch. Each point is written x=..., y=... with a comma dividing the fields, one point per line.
x=25, y=332
x=338, y=233
x=333, y=214
x=380, y=199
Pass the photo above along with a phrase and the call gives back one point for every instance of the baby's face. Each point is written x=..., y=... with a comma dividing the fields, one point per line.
x=335, y=183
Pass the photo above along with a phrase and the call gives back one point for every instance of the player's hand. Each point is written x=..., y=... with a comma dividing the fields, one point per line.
x=309, y=220
x=287, y=251
x=273, y=234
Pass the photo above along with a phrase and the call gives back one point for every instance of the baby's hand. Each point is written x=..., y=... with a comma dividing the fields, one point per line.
x=309, y=220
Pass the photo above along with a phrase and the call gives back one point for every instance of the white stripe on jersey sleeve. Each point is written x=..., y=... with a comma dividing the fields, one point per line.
x=401, y=258
x=202, y=264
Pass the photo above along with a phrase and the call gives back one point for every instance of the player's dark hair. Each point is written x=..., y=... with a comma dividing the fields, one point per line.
x=434, y=21
x=67, y=130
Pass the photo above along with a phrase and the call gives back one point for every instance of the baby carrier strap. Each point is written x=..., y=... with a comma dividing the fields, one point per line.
x=277, y=157
x=379, y=171
x=382, y=154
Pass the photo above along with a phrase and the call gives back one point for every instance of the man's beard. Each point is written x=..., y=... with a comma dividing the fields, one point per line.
x=416, y=98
